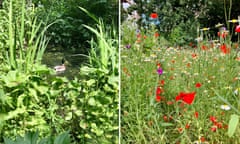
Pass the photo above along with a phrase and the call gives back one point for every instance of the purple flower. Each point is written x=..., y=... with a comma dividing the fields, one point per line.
x=160, y=71
x=128, y=46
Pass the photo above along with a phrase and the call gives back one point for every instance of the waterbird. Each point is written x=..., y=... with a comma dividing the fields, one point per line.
x=60, y=68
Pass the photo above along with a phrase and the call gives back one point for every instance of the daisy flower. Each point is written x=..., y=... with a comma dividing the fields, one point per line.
x=225, y=107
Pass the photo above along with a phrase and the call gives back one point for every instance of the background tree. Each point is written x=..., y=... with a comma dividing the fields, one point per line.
x=185, y=16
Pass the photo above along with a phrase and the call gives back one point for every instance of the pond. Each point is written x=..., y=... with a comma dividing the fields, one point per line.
x=54, y=56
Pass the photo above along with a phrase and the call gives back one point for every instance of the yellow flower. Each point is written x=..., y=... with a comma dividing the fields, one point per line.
x=233, y=21
x=205, y=29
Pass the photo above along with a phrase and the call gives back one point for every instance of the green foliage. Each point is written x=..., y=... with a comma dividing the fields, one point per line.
x=33, y=98
x=69, y=31
x=233, y=124
x=25, y=43
x=33, y=138
x=100, y=92
x=184, y=33
x=183, y=16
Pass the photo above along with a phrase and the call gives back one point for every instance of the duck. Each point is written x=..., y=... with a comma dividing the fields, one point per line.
x=60, y=68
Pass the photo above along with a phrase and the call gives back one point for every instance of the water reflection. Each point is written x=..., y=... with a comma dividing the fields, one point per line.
x=72, y=62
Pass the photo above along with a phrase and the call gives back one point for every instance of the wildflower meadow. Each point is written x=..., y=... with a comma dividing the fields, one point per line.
x=179, y=94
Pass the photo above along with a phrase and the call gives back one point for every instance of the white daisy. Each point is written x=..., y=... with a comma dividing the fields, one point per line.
x=225, y=107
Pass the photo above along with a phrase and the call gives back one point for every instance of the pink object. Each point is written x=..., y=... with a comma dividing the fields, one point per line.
x=237, y=29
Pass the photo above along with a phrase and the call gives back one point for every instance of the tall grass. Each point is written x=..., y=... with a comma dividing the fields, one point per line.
x=146, y=120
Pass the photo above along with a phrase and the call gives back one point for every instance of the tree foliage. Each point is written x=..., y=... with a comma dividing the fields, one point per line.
x=69, y=31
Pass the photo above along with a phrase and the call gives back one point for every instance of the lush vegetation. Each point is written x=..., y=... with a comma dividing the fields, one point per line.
x=172, y=95
x=37, y=106
x=180, y=94
x=69, y=33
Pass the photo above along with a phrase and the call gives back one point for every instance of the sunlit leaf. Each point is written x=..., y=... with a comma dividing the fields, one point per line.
x=33, y=93
x=91, y=101
x=233, y=124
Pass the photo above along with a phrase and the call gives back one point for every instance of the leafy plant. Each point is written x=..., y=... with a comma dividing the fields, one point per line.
x=69, y=31
x=26, y=43
x=33, y=138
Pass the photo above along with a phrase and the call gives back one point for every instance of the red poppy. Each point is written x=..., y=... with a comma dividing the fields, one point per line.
x=202, y=139
x=204, y=47
x=180, y=130
x=219, y=125
x=224, y=49
x=156, y=34
x=158, y=98
x=165, y=118
x=158, y=92
x=213, y=128
x=194, y=55
x=222, y=34
x=198, y=85
x=196, y=114
x=213, y=119
x=186, y=97
x=187, y=126
x=237, y=29
x=154, y=15
x=162, y=82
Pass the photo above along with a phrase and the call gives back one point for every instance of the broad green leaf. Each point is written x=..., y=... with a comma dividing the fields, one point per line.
x=13, y=78
x=63, y=138
x=31, y=137
x=90, y=82
x=232, y=125
x=42, y=89
x=99, y=132
x=11, y=114
x=91, y=101
x=8, y=141
x=113, y=80
x=68, y=116
x=83, y=124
